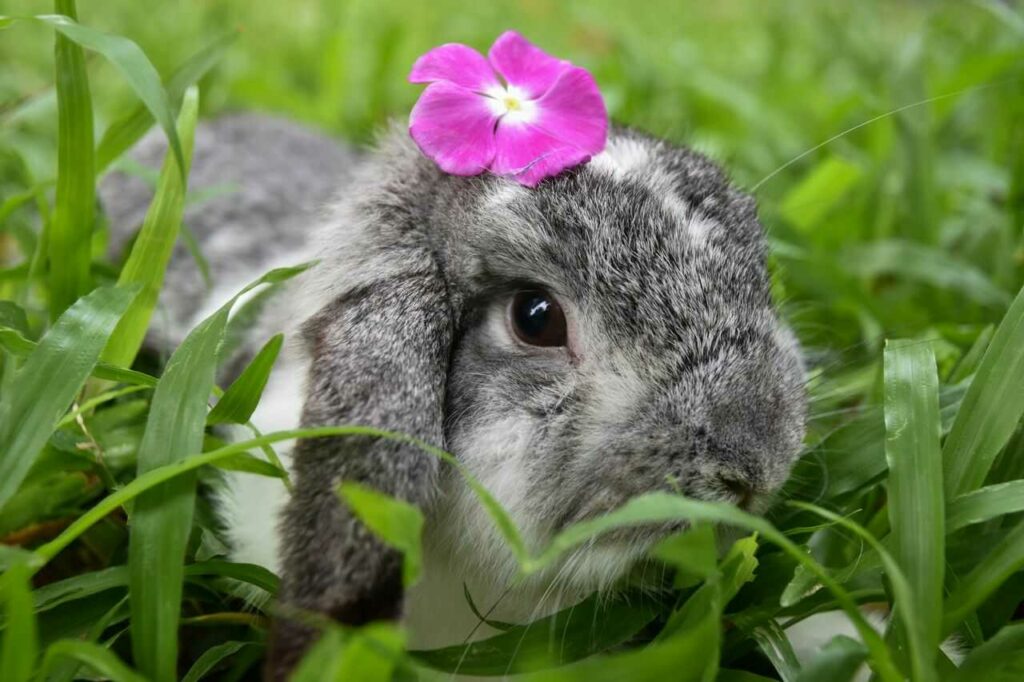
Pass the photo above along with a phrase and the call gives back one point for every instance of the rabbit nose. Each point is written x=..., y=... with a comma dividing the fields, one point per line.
x=732, y=463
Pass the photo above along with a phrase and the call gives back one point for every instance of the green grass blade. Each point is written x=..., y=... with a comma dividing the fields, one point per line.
x=152, y=249
x=594, y=625
x=916, y=506
x=251, y=574
x=992, y=408
x=69, y=247
x=1003, y=561
x=969, y=363
x=20, y=644
x=838, y=661
x=89, y=405
x=13, y=342
x=985, y=504
x=127, y=376
x=79, y=587
x=371, y=653
x=275, y=276
x=68, y=667
x=51, y=376
x=252, y=465
x=690, y=656
x=774, y=644
x=88, y=584
x=322, y=662
x=12, y=315
x=397, y=523
x=368, y=653
x=130, y=60
x=123, y=133
x=737, y=568
x=162, y=518
x=240, y=400
x=99, y=658
x=211, y=657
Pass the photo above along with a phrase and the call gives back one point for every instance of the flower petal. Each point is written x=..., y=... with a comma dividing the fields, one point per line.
x=529, y=154
x=457, y=63
x=524, y=65
x=454, y=126
x=573, y=111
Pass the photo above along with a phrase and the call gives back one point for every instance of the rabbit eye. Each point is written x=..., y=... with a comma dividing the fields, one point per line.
x=537, y=319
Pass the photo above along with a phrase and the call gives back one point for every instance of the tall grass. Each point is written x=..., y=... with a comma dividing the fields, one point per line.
x=886, y=145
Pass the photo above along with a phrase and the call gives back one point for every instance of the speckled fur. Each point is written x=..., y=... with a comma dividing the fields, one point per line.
x=679, y=376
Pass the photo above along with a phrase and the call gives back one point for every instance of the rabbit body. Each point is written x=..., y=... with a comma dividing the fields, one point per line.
x=676, y=372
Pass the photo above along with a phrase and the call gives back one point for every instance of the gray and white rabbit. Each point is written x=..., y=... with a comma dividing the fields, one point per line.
x=607, y=333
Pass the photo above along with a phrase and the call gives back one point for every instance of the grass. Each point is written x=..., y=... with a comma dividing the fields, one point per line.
x=885, y=143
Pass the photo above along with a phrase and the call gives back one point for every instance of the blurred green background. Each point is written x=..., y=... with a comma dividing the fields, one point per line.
x=898, y=226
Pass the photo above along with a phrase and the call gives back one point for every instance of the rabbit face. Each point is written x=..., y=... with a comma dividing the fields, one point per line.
x=616, y=337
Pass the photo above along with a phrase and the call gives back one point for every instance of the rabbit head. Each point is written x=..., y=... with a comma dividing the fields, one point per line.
x=605, y=334
x=653, y=358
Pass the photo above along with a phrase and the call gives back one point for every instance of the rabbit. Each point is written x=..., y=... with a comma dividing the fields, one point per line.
x=608, y=333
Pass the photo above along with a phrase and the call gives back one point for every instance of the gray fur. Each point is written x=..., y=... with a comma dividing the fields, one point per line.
x=679, y=376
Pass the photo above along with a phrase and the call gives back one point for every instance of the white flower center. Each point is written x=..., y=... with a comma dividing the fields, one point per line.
x=511, y=105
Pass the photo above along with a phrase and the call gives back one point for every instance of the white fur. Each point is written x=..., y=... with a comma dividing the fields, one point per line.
x=698, y=228
x=504, y=193
x=250, y=507
x=616, y=395
x=624, y=156
x=621, y=156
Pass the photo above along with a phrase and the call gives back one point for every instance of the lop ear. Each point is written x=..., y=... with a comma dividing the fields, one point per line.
x=379, y=354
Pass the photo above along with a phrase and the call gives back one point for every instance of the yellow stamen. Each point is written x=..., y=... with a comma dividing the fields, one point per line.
x=512, y=103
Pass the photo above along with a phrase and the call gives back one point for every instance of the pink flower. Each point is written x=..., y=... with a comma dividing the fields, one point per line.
x=544, y=115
